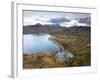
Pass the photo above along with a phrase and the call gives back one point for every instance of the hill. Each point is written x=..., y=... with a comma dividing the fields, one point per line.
x=55, y=29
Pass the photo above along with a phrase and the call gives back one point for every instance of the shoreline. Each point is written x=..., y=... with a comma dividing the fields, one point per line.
x=61, y=48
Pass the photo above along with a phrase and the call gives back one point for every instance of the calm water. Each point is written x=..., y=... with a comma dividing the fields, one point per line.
x=38, y=43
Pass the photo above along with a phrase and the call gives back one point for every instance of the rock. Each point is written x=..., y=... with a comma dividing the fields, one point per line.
x=63, y=56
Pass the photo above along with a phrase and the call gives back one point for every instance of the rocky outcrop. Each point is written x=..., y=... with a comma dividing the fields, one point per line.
x=63, y=56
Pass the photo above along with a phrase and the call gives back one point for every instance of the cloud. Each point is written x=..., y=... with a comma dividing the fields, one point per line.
x=64, y=19
x=59, y=20
x=73, y=22
x=86, y=20
x=32, y=20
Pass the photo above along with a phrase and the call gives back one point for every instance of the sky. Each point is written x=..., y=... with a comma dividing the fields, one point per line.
x=66, y=19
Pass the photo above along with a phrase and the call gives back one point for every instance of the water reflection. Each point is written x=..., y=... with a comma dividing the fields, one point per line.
x=38, y=43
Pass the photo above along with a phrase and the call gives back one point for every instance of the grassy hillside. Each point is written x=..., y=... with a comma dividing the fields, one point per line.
x=74, y=39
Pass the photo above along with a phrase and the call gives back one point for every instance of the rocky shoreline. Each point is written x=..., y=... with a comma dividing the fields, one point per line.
x=62, y=54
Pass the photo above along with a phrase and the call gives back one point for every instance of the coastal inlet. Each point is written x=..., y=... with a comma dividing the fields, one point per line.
x=44, y=43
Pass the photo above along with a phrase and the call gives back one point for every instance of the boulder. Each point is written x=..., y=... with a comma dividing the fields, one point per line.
x=63, y=56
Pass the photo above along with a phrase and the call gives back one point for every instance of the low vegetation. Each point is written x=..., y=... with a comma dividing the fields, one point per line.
x=74, y=39
x=41, y=60
x=79, y=46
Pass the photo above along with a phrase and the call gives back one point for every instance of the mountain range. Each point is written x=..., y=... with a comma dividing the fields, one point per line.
x=55, y=29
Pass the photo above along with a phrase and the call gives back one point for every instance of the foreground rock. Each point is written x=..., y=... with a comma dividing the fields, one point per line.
x=63, y=56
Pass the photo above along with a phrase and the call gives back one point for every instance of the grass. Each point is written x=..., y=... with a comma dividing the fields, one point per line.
x=79, y=46
x=76, y=45
x=41, y=60
x=76, y=41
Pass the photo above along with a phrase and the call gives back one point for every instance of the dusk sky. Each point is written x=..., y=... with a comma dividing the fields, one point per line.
x=66, y=19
